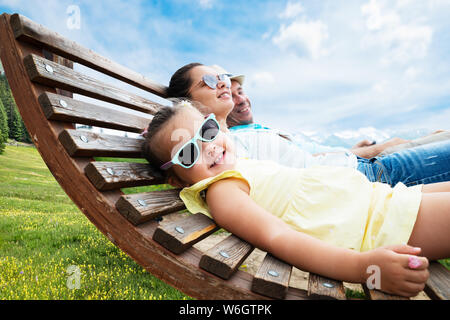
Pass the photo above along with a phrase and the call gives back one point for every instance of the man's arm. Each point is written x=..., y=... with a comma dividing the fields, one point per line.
x=375, y=149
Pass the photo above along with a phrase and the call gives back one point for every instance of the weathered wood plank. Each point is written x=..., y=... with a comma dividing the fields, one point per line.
x=374, y=294
x=52, y=74
x=225, y=257
x=63, y=61
x=79, y=143
x=116, y=175
x=180, y=235
x=61, y=108
x=272, y=278
x=438, y=284
x=142, y=207
x=27, y=30
x=324, y=288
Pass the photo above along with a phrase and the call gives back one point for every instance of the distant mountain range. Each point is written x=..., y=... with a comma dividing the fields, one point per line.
x=349, y=138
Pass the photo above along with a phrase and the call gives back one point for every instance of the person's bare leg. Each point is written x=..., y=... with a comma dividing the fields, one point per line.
x=436, y=187
x=431, y=230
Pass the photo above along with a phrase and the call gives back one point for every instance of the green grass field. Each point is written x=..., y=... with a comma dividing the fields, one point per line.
x=43, y=234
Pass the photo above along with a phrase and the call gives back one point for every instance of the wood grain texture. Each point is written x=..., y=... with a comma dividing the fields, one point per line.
x=27, y=30
x=52, y=74
x=438, y=284
x=60, y=108
x=272, y=278
x=182, y=234
x=116, y=175
x=324, y=288
x=80, y=143
x=226, y=257
x=374, y=294
x=142, y=207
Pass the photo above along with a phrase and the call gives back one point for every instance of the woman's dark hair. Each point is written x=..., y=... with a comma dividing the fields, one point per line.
x=157, y=123
x=181, y=82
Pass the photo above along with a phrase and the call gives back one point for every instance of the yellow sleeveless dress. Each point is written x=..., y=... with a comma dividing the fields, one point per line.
x=335, y=204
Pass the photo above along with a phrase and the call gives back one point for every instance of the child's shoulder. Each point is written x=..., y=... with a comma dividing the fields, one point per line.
x=224, y=186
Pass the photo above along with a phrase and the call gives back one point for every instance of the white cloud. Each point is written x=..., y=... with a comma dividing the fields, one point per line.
x=206, y=4
x=303, y=37
x=293, y=9
x=376, y=19
x=262, y=79
x=400, y=41
x=412, y=72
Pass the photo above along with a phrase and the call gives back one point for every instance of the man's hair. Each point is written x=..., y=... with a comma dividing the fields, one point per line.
x=181, y=82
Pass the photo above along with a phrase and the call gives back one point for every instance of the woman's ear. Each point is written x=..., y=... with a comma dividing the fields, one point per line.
x=176, y=182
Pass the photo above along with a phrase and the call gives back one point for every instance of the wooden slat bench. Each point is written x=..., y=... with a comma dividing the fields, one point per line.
x=39, y=66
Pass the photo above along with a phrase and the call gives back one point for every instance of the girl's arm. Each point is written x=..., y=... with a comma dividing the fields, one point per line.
x=233, y=209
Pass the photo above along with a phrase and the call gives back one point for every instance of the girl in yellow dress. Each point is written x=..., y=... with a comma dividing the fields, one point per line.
x=328, y=220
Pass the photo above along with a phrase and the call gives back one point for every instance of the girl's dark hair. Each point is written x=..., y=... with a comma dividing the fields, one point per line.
x=157, y=123
x=181, y=82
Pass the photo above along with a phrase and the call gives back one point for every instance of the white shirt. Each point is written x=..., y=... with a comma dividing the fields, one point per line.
x=263, y=144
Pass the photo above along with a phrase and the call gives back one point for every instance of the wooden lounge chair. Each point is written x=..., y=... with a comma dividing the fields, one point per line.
x=39, y=66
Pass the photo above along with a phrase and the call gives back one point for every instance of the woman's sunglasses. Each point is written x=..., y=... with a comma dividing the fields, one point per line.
x=189, y=153
x=212, y=81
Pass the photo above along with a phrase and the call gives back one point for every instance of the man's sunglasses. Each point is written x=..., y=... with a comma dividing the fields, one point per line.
x=189, y=153
x=212, y=81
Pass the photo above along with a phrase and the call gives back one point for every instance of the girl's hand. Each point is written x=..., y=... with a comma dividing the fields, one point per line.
x=402, y=272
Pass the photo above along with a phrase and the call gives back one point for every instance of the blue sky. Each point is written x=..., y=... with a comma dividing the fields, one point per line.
x=310, y=65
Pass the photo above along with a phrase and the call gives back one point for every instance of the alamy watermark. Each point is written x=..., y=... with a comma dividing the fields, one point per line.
x=73, y=277
x=73, y=21
x=374, y=280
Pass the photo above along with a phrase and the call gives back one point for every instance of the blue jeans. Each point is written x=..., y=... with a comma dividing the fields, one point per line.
x=424, y=164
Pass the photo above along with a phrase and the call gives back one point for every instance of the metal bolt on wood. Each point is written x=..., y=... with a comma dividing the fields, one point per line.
x=179, y=230
x=49, y=68
x=142, y=202
x=273, y=273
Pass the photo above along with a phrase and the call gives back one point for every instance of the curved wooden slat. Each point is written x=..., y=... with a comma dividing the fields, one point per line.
x=142, y=207
x=80, y=143
x=27, y=30
x=61, y=108
x=116, y=175
x=52, y=74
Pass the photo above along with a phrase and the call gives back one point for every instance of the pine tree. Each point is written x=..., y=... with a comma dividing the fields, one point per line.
x=3, y=128
x=17, y=130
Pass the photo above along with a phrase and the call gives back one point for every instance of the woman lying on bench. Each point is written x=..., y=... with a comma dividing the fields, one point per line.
x=328, y=220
